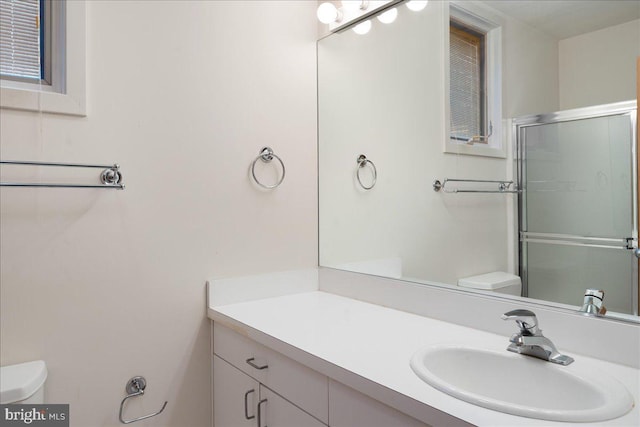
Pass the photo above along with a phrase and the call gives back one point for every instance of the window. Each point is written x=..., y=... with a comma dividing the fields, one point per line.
x=42, y=55
x=467, y=84
x=474, y=95
x=22, y=40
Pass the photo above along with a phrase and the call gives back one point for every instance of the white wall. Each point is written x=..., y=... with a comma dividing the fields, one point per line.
x=530, y=71
x=104, y=285
x=599, y=67
x=383, y=95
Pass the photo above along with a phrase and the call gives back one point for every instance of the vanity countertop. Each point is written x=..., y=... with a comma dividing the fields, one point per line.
x=368, y=347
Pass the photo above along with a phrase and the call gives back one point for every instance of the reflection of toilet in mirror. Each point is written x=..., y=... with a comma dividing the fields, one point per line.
x=497, y=281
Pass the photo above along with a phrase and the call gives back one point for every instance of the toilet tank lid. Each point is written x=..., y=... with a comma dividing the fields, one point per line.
x=490, y=281
x=19, y=382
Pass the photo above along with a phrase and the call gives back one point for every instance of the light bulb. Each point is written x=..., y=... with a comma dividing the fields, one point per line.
x=417, y=5
x=389, y=16
x=328, y=13
x=362, y=28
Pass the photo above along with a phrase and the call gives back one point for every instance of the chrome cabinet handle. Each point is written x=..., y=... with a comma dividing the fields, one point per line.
x=253, y=365
x=246, y=405
x=260, y=412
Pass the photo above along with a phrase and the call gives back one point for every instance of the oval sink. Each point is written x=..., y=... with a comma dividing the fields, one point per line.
x=522, y=385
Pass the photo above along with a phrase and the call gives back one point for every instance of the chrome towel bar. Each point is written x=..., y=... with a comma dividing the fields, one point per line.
x=111, y=177
x=503, y=186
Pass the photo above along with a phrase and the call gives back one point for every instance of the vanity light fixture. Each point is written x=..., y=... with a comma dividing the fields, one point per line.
x=417, y=5
x=338, y=15
x=389, y=16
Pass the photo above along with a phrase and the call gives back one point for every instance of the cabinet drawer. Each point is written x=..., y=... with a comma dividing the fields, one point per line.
x=300, y=385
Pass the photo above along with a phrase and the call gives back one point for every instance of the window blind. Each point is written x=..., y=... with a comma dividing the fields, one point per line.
x=466, y=84
x=20, y=39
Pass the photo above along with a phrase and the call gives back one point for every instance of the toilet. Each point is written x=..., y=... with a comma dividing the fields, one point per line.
x=23, y=383
x=497, y=281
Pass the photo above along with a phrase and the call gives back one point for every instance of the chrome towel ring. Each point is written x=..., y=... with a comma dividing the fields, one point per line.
x=362, y=162
x=267, y=155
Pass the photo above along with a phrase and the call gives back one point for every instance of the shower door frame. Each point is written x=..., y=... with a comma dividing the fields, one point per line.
x=519, y=125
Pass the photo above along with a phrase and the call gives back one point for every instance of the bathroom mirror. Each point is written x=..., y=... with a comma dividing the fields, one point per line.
x=386, y=134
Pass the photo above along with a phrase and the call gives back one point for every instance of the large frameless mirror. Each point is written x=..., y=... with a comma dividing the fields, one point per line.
x=521, y=113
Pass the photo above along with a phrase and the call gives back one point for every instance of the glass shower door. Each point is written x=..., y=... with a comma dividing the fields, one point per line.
x=578, y=219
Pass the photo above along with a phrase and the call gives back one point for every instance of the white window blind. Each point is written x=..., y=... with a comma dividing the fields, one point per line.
x=466, y=85
x=20, y=55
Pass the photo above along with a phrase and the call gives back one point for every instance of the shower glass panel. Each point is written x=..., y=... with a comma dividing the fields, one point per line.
x=579, y=177
x=578, y=220
x=561, y=273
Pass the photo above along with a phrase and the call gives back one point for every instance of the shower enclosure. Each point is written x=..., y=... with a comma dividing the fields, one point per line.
x=578, y=207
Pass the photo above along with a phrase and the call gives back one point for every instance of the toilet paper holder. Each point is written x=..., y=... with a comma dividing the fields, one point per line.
x=134, y=388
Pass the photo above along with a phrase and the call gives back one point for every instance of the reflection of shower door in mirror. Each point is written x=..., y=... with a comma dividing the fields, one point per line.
x=578, y=210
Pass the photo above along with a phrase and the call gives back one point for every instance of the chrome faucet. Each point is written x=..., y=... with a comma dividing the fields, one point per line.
x=530, y=341
x=593, y=303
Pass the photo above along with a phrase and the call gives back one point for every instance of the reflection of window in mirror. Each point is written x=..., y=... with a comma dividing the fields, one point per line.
x=467, y=94
x=474, y=83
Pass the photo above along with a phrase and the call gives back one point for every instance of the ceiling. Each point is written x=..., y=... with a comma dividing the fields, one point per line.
x=568, y=18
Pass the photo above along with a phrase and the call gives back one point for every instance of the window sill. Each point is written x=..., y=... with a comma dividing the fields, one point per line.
x=44, y=101
x=475, y=150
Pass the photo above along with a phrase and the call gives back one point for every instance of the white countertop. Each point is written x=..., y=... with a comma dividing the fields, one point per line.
x=368, y=347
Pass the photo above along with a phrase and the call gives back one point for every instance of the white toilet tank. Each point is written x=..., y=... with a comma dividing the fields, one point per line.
x=497, y=281
x=23, y=383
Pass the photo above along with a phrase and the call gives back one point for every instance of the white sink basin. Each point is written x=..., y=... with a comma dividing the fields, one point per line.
x=522, y=385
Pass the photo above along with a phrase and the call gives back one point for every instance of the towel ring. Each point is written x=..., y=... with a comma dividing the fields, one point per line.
x=266, y=155
x=362, y=162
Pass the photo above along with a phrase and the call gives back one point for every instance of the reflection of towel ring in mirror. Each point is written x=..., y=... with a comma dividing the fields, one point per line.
x=362, y=162
x=266, y=155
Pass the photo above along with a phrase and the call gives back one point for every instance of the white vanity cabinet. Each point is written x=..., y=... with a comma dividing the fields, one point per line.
x=246, y=373
x=297, y=396
x=241, y=401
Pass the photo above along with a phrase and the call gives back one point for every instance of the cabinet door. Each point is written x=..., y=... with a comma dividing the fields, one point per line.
x=235, y=396
x=275, y=411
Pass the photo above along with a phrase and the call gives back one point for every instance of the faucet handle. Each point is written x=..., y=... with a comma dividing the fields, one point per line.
x=598, y=293
x=526, y=320
x=593, y=302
